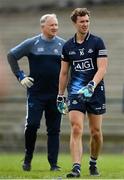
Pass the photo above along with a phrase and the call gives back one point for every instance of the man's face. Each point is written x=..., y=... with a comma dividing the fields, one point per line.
x=50, y=27
x=82, y=24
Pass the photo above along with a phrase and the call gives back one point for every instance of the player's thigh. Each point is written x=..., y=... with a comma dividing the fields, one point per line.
x=76, y=118
x=95, y=121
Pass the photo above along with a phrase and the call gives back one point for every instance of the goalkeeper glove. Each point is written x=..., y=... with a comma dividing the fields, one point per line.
x=61, y=104
x=86, y=92
x=25, y=81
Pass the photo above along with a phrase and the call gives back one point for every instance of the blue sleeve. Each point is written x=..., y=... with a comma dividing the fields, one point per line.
x=64, y=55
x=21, y=50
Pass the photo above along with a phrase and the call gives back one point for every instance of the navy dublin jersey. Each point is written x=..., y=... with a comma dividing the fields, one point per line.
x=83, y=60
x=44, y=57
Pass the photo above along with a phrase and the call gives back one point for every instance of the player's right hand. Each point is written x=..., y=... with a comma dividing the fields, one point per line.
x=61, y=104
x=27, y=82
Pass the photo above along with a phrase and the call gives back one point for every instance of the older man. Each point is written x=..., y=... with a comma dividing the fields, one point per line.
x=44, y=57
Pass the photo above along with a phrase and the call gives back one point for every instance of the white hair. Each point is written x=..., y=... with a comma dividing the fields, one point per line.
x=44, y=18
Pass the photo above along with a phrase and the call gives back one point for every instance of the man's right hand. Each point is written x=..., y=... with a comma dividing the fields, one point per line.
x=61, y=104
x=25, y=81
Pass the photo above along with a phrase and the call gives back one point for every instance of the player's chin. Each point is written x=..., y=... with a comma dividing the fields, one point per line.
x=53, y=33
x=84, y=30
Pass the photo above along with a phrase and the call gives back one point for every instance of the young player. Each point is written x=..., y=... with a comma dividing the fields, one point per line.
x=85, y=57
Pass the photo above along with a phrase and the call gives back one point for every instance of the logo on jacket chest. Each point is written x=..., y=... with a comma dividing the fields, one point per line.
x=56, y=51
x=40, y=49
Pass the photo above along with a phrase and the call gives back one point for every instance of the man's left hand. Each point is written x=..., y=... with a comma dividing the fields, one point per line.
x=86, y=92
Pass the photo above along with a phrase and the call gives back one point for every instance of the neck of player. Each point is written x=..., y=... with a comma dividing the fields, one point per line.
x=80, y=37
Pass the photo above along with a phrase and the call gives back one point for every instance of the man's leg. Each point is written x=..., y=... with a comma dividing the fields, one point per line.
x=30, y=139
x=34, y=114
x=76, y=120
x=96, y=141
x=53, y=122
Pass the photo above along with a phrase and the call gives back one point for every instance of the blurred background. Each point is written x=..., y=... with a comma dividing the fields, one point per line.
x=20, y=20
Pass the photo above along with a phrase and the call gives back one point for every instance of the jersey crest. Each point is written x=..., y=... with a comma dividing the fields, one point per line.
x=81, y=51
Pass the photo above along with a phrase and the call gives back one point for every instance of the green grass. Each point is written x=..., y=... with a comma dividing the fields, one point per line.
x=110, y=166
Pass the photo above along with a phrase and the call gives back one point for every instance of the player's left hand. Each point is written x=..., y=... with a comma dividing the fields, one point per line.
x=86, y=92
x=61, y=104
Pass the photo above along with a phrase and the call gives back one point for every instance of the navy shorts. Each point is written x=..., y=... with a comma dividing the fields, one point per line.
x=96, y=105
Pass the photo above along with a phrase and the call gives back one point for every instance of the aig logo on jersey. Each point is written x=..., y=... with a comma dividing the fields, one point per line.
x=83, y=65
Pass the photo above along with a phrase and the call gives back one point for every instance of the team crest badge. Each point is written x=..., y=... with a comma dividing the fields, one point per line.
x=74, y=101
x=56, y=51
x=81, y=51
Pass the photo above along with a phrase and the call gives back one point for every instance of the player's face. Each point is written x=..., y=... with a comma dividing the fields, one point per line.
x=50, y=27
x=82, y=24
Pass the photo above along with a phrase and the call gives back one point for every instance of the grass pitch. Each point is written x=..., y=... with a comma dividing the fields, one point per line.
x=110, y=167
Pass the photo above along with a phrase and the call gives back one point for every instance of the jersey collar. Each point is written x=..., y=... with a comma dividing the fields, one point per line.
x=86, y=38
x=45, y=39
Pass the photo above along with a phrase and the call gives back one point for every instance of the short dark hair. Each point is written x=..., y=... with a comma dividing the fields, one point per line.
x=79, y=12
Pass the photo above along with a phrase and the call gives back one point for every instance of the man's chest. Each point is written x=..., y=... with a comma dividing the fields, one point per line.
x=47, y=49
x=81, y=52
x=82, y=58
